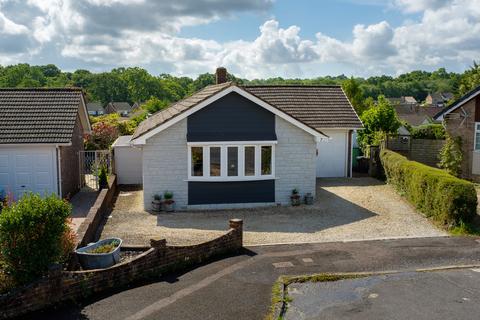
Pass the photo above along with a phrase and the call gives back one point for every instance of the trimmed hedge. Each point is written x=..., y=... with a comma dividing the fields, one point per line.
x=428, y=131
x=435, y=193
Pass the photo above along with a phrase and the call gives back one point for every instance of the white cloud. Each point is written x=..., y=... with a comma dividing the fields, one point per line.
x=141, y=32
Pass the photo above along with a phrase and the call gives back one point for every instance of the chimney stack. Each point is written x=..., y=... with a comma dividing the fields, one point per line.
x=221, y=75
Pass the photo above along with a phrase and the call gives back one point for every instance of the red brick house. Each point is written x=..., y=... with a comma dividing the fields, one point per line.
x=462, y=119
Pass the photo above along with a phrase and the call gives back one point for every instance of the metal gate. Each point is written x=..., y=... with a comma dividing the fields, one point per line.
x=90, y=164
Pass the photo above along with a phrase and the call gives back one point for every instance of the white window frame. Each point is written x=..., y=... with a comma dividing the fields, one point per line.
x=477, y=129
x=223, y=161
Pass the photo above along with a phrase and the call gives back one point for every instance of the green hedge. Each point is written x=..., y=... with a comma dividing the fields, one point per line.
x=437, y=194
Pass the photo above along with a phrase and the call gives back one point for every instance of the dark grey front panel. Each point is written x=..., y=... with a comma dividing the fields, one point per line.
x=231, y=192
x=231, y=118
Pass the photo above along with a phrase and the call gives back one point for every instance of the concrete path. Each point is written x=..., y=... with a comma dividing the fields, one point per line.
x=239, y=287
x=81, y=203
x=439, y=295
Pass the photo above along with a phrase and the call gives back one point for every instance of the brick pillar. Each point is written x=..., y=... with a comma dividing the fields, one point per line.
x=237, y=226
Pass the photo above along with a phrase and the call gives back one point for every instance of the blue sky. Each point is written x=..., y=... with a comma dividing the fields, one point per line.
x=252, y=38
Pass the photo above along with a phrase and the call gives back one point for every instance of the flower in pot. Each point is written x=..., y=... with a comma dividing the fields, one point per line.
x=168, y=202
x=295, y=197
x=157, y=203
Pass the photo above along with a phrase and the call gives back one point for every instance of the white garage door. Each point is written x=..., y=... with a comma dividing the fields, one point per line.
x=333, y=154
x=25, y=169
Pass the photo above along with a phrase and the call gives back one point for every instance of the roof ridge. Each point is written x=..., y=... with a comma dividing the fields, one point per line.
x=42, y=89
x=294, y=85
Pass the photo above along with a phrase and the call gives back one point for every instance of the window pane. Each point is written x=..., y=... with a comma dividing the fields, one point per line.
x=266, y=160
x=197, y=161
x=249, y=161
x=232, y=161
x=477, y=140
x=215, y=161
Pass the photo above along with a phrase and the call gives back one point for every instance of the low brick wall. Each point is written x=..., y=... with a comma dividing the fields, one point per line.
x=61, y=286
x=86, y=233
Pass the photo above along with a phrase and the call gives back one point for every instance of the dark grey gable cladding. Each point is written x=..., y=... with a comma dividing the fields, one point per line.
x=231, y=192
x=231, y=118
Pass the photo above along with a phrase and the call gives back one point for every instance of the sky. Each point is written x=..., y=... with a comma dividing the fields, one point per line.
x=251, y=38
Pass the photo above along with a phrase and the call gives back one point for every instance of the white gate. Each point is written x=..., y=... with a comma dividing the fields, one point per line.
x=90, y=164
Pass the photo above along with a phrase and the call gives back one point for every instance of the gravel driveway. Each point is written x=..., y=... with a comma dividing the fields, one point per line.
x=344, y=210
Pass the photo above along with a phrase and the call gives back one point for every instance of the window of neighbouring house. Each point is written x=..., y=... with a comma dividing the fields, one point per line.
x=231, y=162
x=477, y=136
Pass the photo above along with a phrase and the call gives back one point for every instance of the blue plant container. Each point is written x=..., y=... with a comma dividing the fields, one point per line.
x=90, y=261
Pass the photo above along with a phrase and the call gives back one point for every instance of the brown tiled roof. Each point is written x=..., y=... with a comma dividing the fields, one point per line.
x=178, y=108
x=415, y=116
x=38, y=115
x=319, y=107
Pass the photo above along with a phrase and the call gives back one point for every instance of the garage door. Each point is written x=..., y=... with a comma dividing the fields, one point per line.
x=333, y=154
x=28, y=169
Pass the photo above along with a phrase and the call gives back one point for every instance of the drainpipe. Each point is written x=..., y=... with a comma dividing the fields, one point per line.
x=59, y=171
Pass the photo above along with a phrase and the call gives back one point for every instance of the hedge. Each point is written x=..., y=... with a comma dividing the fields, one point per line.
x=428, y=131
x=435, y=193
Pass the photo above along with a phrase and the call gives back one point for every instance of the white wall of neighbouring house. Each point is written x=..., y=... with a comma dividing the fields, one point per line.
x=332, y=154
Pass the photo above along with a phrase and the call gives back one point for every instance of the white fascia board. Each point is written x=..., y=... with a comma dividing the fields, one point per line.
x=30, y=145
x=456, y=106
x=143, y=139
x=232, y=143
x=88, y=129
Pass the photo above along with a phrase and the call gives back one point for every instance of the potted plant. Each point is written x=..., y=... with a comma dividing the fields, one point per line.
x=168, y=202
x=295, y=197
x=157, y=203
x=309, y=198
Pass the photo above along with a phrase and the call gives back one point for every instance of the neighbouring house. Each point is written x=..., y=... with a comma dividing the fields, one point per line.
x=416, y=115
x=439, y=99
x=407, y=101
x=41, y=134
x=230, y=146
x=462, y=119
x=122, y=108
x=95, y=109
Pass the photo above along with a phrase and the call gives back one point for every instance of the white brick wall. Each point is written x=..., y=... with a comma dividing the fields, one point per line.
x=295, y=161
x=165, y=165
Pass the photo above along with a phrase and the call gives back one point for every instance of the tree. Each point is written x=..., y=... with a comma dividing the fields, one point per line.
x=102, y=137
x=355, y=95
x=469, y=80
x=378, y=121
x=154, y=104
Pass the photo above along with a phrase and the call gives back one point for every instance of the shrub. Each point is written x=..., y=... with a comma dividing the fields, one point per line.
x=103, y=177
x=451, y=156
x=437, y=194
x=31, y=232
x=428, y=131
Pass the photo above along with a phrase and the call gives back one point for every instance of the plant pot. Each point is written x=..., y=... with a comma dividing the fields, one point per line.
x=295, y=200
x=156, y=205
x=309, y=199
x=90, y=260
x=169, y=206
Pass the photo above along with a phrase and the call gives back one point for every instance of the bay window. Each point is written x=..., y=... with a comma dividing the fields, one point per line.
x=234, y=161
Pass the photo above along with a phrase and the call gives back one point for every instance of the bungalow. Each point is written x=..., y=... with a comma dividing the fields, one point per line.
x=95, y=109
x=41, y=133
x=122, y=108
x=439, y=99
x=241, y=146
x=462, y=119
